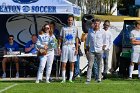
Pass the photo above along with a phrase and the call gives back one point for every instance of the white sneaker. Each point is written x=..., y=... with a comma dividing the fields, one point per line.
x=4, y=75
x=78, y=76
x=17, y=75
x=37, y=81
x=63, y=81
x=87, y=82
x=48, y=81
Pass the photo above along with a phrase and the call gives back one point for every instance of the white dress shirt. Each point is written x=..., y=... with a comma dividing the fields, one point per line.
x=95, y=40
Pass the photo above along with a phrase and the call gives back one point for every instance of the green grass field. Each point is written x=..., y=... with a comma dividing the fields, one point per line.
x=111, y=85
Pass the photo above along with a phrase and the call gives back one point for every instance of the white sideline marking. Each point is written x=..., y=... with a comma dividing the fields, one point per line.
x=7, y=88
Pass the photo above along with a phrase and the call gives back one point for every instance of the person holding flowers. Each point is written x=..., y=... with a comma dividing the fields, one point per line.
x=45, y=44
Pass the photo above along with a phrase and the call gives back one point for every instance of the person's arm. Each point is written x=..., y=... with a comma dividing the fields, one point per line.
x=83, y=37
x=39, y=44
x=29, y=47
x=134, y=41
x=87, y=41
x=60, y=40
x=4, y=52
x=110, y=41
x=104, y=40
x=77, y=43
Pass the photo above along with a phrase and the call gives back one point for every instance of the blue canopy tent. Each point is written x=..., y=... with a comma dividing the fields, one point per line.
x=22, y=18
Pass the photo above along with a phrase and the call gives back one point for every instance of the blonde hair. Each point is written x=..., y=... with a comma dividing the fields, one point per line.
x=41, y=32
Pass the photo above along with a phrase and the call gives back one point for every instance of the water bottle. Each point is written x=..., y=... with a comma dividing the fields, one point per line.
x=10, y=50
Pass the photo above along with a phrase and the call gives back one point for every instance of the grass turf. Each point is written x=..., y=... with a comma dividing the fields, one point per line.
x=111, y=85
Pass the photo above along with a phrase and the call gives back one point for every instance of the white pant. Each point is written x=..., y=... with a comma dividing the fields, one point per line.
x=43, y=59
x=135, y=57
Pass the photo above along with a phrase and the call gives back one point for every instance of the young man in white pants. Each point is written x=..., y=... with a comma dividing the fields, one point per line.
x=135, y=57
x=109, y=43
x=69, y=37
x=44, y=42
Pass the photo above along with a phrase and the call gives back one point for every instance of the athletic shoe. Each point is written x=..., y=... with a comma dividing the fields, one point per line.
x=130, y=78
x=63, y=81
x=37, y=81
x=87, y=82
x=17, y=75
x=78, y=76
x=70, y=81
x=4, y=75
x=48, y=81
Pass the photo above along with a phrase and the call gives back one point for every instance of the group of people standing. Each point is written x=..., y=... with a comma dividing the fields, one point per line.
x=97, y=46
x=49, y=39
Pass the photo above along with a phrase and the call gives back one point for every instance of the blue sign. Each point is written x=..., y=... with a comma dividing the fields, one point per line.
x=76, y=10
x=5, y=8
x=25, y=1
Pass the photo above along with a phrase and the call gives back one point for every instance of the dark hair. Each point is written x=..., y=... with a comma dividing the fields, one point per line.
x=71, y=16
x=43, y=29
x=11, y=36
x=33, y=35
x=137, y=22
x=52, y=22
x=96, y=20
x=106, y=21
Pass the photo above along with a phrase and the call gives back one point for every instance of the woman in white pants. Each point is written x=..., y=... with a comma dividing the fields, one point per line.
x=45, y=41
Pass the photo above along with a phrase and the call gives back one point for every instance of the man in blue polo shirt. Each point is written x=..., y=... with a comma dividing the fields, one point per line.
x=30, y=48
x=30, y=45
x=9, y=47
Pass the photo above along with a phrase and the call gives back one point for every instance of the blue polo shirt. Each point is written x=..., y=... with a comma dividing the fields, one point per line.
x=28, y=44
x=118, y=40
x=14, y=47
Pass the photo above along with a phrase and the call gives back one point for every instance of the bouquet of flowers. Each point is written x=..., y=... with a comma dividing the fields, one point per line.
x=53, y=43
x=42, y=52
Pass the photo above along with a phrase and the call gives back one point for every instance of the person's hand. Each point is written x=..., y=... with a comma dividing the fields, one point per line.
x=59, y=51
x=33, y=45
x=46, y=47
x=103, y=48
x=76, y=52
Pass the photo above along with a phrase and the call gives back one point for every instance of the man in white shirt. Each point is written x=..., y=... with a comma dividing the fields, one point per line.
x=95, y=44
x=69, y=40
x=109, y=43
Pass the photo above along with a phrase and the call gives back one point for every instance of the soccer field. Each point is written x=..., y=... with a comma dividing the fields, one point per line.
x=111, y=85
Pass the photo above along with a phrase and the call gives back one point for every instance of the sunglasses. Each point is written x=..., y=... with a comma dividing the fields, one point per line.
x=11, y=39
x=47, y=28
x=106, y=25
